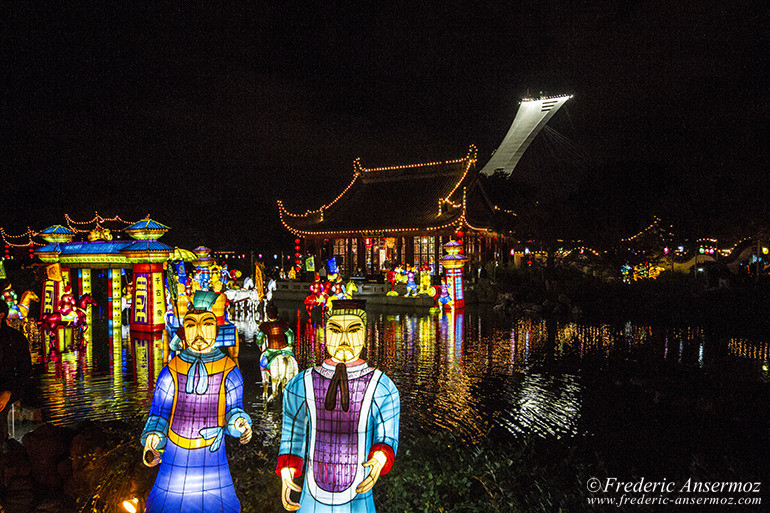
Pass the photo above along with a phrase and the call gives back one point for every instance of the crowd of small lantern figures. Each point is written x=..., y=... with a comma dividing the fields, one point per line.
x=666, y=256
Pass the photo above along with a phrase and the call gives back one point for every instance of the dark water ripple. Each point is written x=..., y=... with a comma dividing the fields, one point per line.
x=464, y=372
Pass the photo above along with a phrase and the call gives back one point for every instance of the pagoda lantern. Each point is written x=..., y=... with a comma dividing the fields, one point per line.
x=453, y=262
x=53, y=287
x=203, y=266
x=149, y=293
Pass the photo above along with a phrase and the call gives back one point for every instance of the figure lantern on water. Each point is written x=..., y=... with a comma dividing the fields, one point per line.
x=10, y=296
x=392, y=277
x=425, y=281
x=411, y=285
x=317, y=296
x=277, y=363
x=340, y=423
x=198, y=399
x=337, y=288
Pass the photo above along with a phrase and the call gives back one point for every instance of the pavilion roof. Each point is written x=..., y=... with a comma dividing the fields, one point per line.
x=419, y=197
x=147, y=224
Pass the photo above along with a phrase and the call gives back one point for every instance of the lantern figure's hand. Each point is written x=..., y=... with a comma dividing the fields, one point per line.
x=376, y=464
x=243, y=426
x=287, y=485
x=151, y=456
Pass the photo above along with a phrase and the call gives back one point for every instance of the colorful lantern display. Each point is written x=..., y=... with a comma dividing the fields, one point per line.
x=69, y=313
x=426, y=287
x=340, y=423
x=331, y=265
x=337, y=287
x=318, y=295
x=453, y=262
x=277, y=363
x=21, y=309
x=198, y=399
x=411, y=285
x=392, y=277
x=350, y=289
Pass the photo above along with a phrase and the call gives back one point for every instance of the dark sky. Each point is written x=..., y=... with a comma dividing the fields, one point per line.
x=204, y=116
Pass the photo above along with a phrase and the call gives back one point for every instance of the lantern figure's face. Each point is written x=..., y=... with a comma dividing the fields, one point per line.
x=200, y=331
x=345, y=337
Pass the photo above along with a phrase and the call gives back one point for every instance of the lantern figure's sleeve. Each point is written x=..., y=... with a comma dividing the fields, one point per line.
x=160, y=410
x=234, y=401
x=386, y=410
x=261, y=339
x=295, y=421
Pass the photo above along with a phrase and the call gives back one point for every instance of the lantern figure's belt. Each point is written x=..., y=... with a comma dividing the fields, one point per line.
x=211, y=436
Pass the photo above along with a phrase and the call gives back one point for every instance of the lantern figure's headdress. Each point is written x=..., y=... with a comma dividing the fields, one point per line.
x=204, y=300
x=355, y=307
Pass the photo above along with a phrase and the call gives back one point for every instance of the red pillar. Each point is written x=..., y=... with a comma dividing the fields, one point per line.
x=148, y=310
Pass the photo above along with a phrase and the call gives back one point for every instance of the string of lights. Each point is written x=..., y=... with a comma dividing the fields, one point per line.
x=96, y=219
x=510, y=212
x=650, y=227
x=28, y=234
x=470, y=159
x=581, y=250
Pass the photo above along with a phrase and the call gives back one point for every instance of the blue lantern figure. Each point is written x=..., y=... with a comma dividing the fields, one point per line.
x=340, y=423
x=198, y=399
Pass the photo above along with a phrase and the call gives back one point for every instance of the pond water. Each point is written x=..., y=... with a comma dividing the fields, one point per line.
x=468, y=372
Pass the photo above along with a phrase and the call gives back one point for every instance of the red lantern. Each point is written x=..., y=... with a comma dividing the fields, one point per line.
x=296, y=241
x=459, y=237
x=296, y=248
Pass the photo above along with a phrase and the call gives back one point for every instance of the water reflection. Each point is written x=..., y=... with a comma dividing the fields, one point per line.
x=461, y=371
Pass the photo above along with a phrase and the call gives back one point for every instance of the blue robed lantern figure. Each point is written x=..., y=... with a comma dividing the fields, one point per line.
x=198, y=399
x=340, y=423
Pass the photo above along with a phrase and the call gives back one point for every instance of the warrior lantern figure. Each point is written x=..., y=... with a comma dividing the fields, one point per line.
x=276, y=340
x=198, y=398
x=340, y=423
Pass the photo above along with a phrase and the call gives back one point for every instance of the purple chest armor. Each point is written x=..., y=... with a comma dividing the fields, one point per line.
x=194, y=412
x=335, y=459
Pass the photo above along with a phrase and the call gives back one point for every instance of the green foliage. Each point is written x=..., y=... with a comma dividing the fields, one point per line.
x=105, y=481
x=253, y=469
x=442, y=473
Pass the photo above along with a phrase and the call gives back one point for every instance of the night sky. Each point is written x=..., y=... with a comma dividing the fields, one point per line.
x=204, y=116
